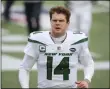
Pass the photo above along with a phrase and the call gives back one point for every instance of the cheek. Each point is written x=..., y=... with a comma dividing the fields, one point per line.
x=65, y=26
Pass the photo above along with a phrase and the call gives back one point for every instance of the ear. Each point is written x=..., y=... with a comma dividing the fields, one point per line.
x=68, y=22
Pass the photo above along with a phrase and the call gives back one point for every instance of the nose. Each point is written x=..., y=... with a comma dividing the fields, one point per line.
x=57, y=22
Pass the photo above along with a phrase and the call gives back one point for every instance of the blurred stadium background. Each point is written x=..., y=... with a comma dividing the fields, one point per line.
x=14, y=39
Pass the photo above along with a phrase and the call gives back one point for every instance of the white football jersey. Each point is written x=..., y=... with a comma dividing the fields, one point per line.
x=57, y=63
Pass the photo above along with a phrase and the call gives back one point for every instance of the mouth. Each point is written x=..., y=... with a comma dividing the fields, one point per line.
x=57, y=28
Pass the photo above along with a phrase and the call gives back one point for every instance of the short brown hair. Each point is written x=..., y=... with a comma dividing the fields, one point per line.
x=60, y=10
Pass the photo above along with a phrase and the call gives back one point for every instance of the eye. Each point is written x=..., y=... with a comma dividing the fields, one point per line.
x=61, y=20
x=54, y=20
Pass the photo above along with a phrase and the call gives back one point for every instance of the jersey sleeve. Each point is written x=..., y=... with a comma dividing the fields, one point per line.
x=24, y=69
x=31, y=49
x=86, y=60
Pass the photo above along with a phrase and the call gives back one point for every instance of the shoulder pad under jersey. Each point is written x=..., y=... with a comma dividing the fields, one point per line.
x=80, y=38
x=37, y=37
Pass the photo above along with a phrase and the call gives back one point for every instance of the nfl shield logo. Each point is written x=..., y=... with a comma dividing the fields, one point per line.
x=58, y=48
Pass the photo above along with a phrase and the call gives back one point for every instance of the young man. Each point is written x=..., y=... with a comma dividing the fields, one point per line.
x=57, y=53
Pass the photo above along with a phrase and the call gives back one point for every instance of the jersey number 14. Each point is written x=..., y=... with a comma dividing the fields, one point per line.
x=62, y=68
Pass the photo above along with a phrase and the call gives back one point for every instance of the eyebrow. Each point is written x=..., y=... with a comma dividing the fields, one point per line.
x=58, y=20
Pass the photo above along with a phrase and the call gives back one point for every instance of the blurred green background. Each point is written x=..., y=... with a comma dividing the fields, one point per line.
x=99, y=43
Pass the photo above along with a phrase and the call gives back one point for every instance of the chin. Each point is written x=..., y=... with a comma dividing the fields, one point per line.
x=58, y=32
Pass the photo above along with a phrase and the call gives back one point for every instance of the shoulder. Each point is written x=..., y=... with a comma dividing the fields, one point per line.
x=80, y=35
x=77, y=38
x=37, y=34
x=76, y=35
x=38, y=37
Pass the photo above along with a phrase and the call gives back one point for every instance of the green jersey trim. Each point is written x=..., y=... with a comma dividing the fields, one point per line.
x=34, y=41
x=80, y=41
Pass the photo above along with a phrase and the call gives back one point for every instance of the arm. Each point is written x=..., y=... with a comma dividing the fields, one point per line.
x=88, y=63
x=86, y=60
x=31, y=55
x=24, y=70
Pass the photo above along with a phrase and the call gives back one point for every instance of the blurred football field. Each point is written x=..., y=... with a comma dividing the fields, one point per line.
x=14, y=39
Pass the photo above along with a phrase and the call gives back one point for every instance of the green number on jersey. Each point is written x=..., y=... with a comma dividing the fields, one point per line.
x=62, y=68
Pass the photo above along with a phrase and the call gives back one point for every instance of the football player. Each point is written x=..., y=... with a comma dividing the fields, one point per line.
x=57, y=53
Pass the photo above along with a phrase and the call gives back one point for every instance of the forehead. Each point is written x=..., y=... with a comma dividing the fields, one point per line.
x=58, y=16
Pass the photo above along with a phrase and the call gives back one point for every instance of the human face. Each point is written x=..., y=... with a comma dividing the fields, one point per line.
x=59, y=25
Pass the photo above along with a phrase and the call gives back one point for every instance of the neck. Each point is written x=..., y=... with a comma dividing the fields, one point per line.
x=58, y=39
x=57, y=35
